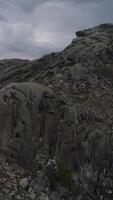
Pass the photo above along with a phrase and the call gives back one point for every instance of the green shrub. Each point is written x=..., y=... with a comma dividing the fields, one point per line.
x=59, y=173
x=64, y=173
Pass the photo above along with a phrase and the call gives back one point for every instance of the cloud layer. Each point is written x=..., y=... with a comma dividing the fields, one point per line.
x=31, y=28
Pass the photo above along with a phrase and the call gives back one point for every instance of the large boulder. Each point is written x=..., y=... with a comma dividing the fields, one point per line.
x=32, y=120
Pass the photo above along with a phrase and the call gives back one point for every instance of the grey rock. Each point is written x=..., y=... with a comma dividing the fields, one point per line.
x=43, y=196
x=73, y=120
x=24, y=182
x=18, y=197
x=34, y=119
x=32, y=196
x=82, y=75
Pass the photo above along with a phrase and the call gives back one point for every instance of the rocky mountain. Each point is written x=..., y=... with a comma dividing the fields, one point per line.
x=56, y=121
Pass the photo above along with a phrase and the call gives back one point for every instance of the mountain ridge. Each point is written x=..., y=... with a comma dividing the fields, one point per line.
x=61, y=106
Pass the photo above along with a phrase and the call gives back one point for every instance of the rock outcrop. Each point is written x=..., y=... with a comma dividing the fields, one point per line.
x=34, y=119
x=61, y=106
x=82, y=75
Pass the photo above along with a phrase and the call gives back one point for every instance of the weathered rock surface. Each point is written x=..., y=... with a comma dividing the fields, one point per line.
x=71, y=118
x=34, y=119
x=82, y=74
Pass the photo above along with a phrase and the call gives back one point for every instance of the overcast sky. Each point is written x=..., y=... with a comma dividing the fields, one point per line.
x=31, y=28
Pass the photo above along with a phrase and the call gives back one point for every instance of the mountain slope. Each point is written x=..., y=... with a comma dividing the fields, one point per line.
x=82, y=75
x=76, y=123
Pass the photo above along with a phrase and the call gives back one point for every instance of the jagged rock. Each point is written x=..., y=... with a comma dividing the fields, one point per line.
x=18, y=197
x=43, y=197
x=24, y=182
x=29, y=115
x=34, y=119
x=82, y=75
x=72, y=118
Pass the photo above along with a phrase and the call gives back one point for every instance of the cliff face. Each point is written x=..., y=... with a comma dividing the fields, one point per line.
x=62, y=103
x=33, y=120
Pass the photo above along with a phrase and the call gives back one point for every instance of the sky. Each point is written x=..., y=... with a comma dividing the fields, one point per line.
x=31, y=28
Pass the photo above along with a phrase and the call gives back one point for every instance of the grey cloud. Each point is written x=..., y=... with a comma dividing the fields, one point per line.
x=18, y=40
x=25, y=5
x=3, y=19
x=31, y=28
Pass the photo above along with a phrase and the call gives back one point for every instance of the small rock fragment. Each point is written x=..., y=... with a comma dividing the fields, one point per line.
x=43, y=196
x=24, y=182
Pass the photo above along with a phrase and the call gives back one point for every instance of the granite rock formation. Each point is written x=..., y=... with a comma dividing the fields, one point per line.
x=61, y=105
x=34, y=119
